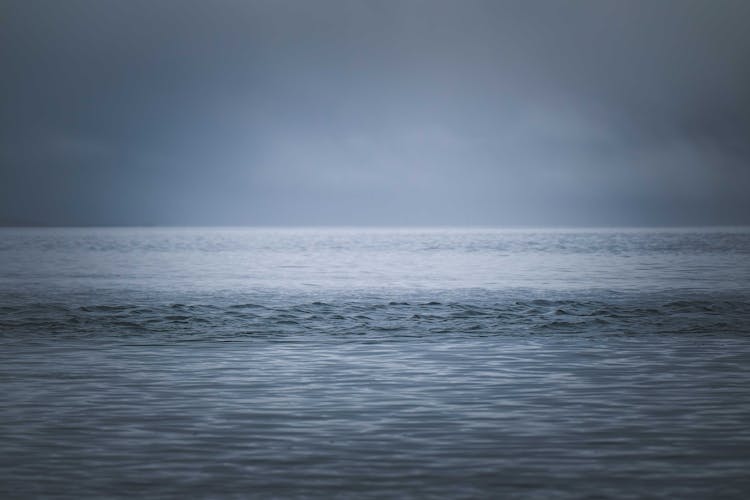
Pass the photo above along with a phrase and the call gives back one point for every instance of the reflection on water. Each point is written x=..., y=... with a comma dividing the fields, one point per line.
x=360, y=363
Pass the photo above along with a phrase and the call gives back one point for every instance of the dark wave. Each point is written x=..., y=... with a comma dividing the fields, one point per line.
x=420, y=317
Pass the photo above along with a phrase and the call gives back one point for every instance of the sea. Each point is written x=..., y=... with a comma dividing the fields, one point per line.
x=374, y=363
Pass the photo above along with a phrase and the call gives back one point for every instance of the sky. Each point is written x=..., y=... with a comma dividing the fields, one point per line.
x=388, y=113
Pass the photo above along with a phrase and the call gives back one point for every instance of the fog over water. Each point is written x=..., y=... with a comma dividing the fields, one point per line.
x=375, y=113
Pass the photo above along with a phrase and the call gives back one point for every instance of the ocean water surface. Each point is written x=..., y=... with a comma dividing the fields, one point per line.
x=356, y=363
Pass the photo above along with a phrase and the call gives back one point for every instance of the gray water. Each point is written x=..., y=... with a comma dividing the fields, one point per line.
x=341, y=363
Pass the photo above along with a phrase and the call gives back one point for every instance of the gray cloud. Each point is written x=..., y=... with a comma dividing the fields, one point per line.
x=408, y=112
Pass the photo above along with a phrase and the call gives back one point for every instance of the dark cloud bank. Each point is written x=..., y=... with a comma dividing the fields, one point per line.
x=377, y=112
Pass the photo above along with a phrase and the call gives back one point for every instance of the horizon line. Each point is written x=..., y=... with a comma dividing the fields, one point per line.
x=373, y=226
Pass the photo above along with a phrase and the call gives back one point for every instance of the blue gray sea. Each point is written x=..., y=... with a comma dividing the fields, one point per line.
x=374, y=363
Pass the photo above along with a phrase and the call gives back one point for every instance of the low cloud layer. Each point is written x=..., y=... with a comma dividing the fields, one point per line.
x=377, y=113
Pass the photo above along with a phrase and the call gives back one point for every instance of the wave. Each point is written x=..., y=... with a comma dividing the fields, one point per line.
x=379, y=317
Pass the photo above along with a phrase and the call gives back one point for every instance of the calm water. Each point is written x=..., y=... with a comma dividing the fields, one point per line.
x=374, y=363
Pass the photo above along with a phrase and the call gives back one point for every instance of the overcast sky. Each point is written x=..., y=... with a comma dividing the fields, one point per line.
x=375, y=112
